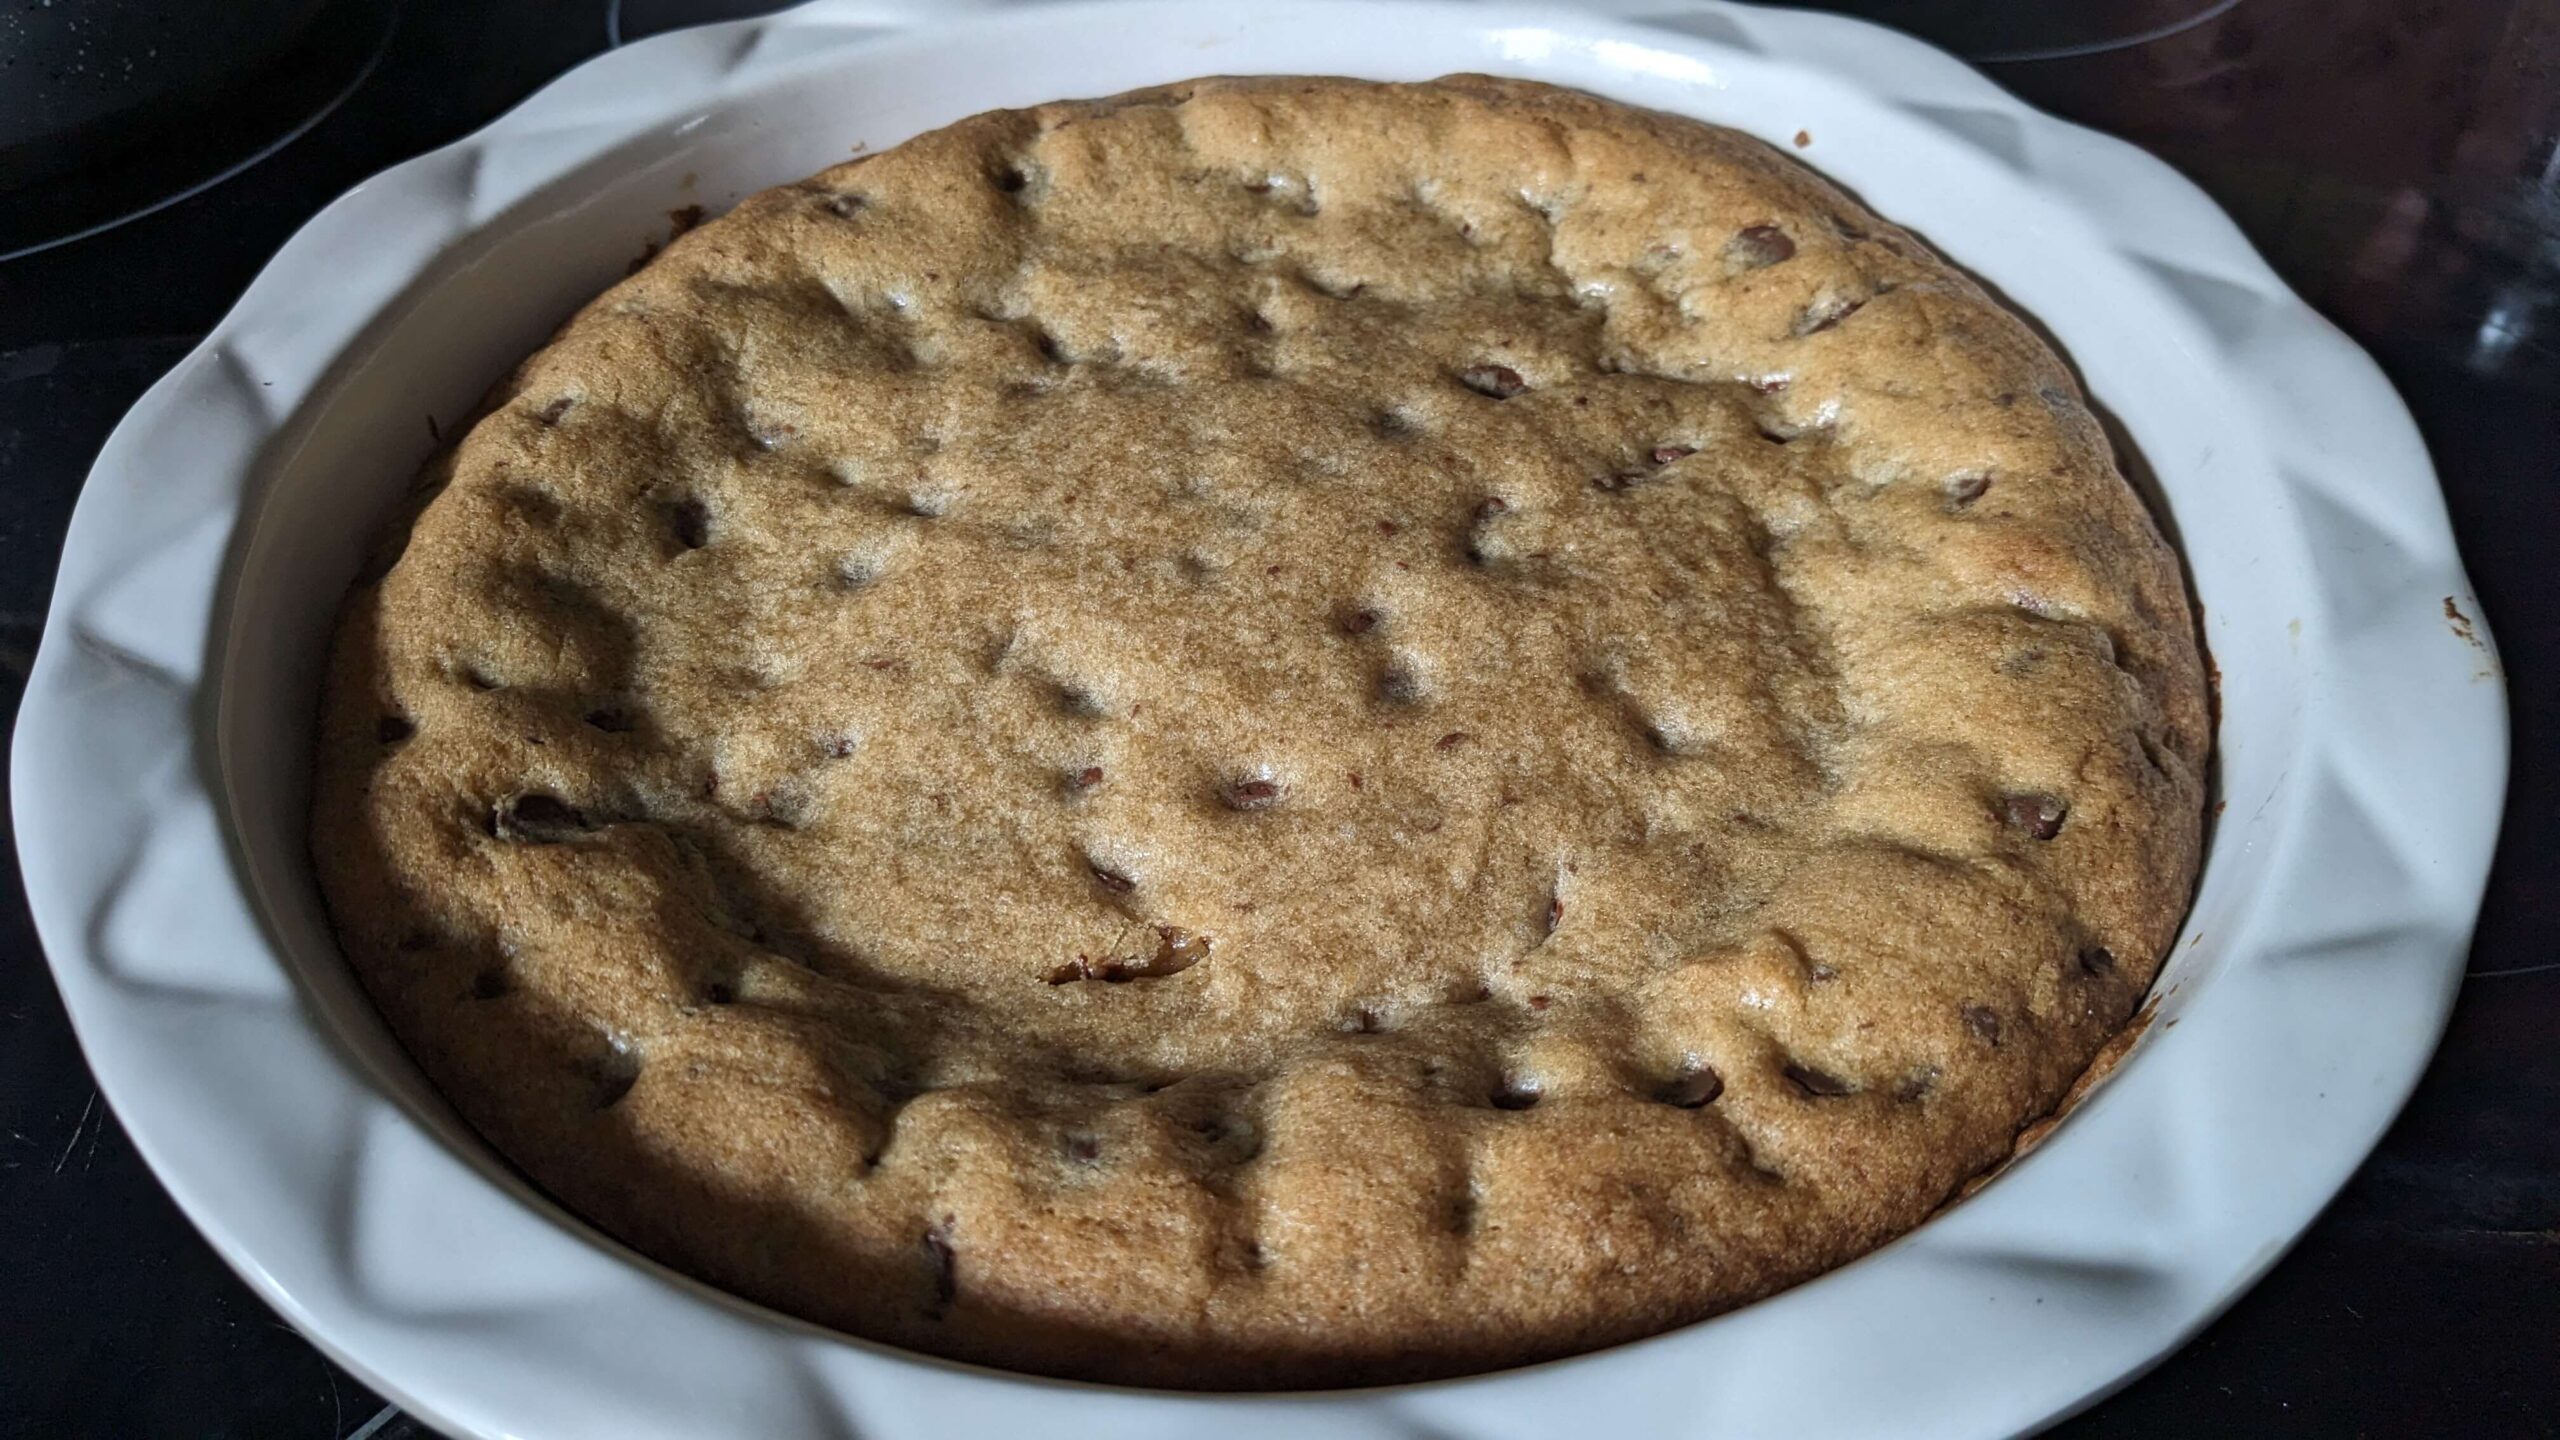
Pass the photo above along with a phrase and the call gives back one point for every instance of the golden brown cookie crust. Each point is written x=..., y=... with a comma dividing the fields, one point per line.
x=1270, y=732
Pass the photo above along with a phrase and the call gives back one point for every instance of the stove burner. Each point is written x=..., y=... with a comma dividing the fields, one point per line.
x=1994, y=31
x=188, y=144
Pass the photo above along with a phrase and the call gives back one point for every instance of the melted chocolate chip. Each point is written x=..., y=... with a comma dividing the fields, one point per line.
x=942, y=1263
x=1691, y=1089
x=1759, y=246
x=1498, y=381
x=1254, y=794
x=1823, y=316
x=690, y=519
x=1176, y=950
x=1816, y=1083
x=538, y=819
x=2037, y=816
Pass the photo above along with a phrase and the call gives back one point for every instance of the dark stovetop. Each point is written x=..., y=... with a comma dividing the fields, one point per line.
x=2395, y=158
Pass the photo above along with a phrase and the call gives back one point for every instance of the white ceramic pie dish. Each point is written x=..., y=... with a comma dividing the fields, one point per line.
x=159, y=765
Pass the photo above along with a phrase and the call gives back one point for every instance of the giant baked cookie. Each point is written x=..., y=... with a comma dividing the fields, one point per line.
x=1271, y=732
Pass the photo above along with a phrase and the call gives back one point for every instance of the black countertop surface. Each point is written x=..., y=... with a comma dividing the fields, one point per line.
x=2397, y=161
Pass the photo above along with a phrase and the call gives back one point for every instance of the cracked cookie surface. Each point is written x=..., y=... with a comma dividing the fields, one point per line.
x=1270, y=732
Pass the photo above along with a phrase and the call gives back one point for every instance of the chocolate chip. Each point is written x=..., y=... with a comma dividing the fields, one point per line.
x=1757, y=247
x=1365, y=1021
x=1541, y=1002
x=2039, y=816
x=1516, y=1094
x=691, y=521
x=1499, y=381
x=610, y=1091
x=612, y=1072
x=841, y=747
x=1177, y=950
x=1555, y=913
x=1693, y=1088
x=1452, y=740
x=1665, y=454
x=1490, y=506
x=942, y=1263
x=1963, y=490
x=392, y=729
x=1984, y=1022
x=1088, y=777
x=1399, y=686
x=2097, y=960
x=1814, y=1082
x=1083, y=1149
x=1823, y=316
x=539, y=819
x=1011, y=180
x=1113, y=880
x=551, y=414
x=1255, y=794
x=1359, y=622
x=844, y=207
x=1462, y=1212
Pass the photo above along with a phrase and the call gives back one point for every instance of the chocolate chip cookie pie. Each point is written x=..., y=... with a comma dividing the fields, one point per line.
x=1271, y=732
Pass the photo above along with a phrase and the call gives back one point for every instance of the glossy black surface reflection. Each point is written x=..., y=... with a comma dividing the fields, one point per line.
x=2394, y=158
